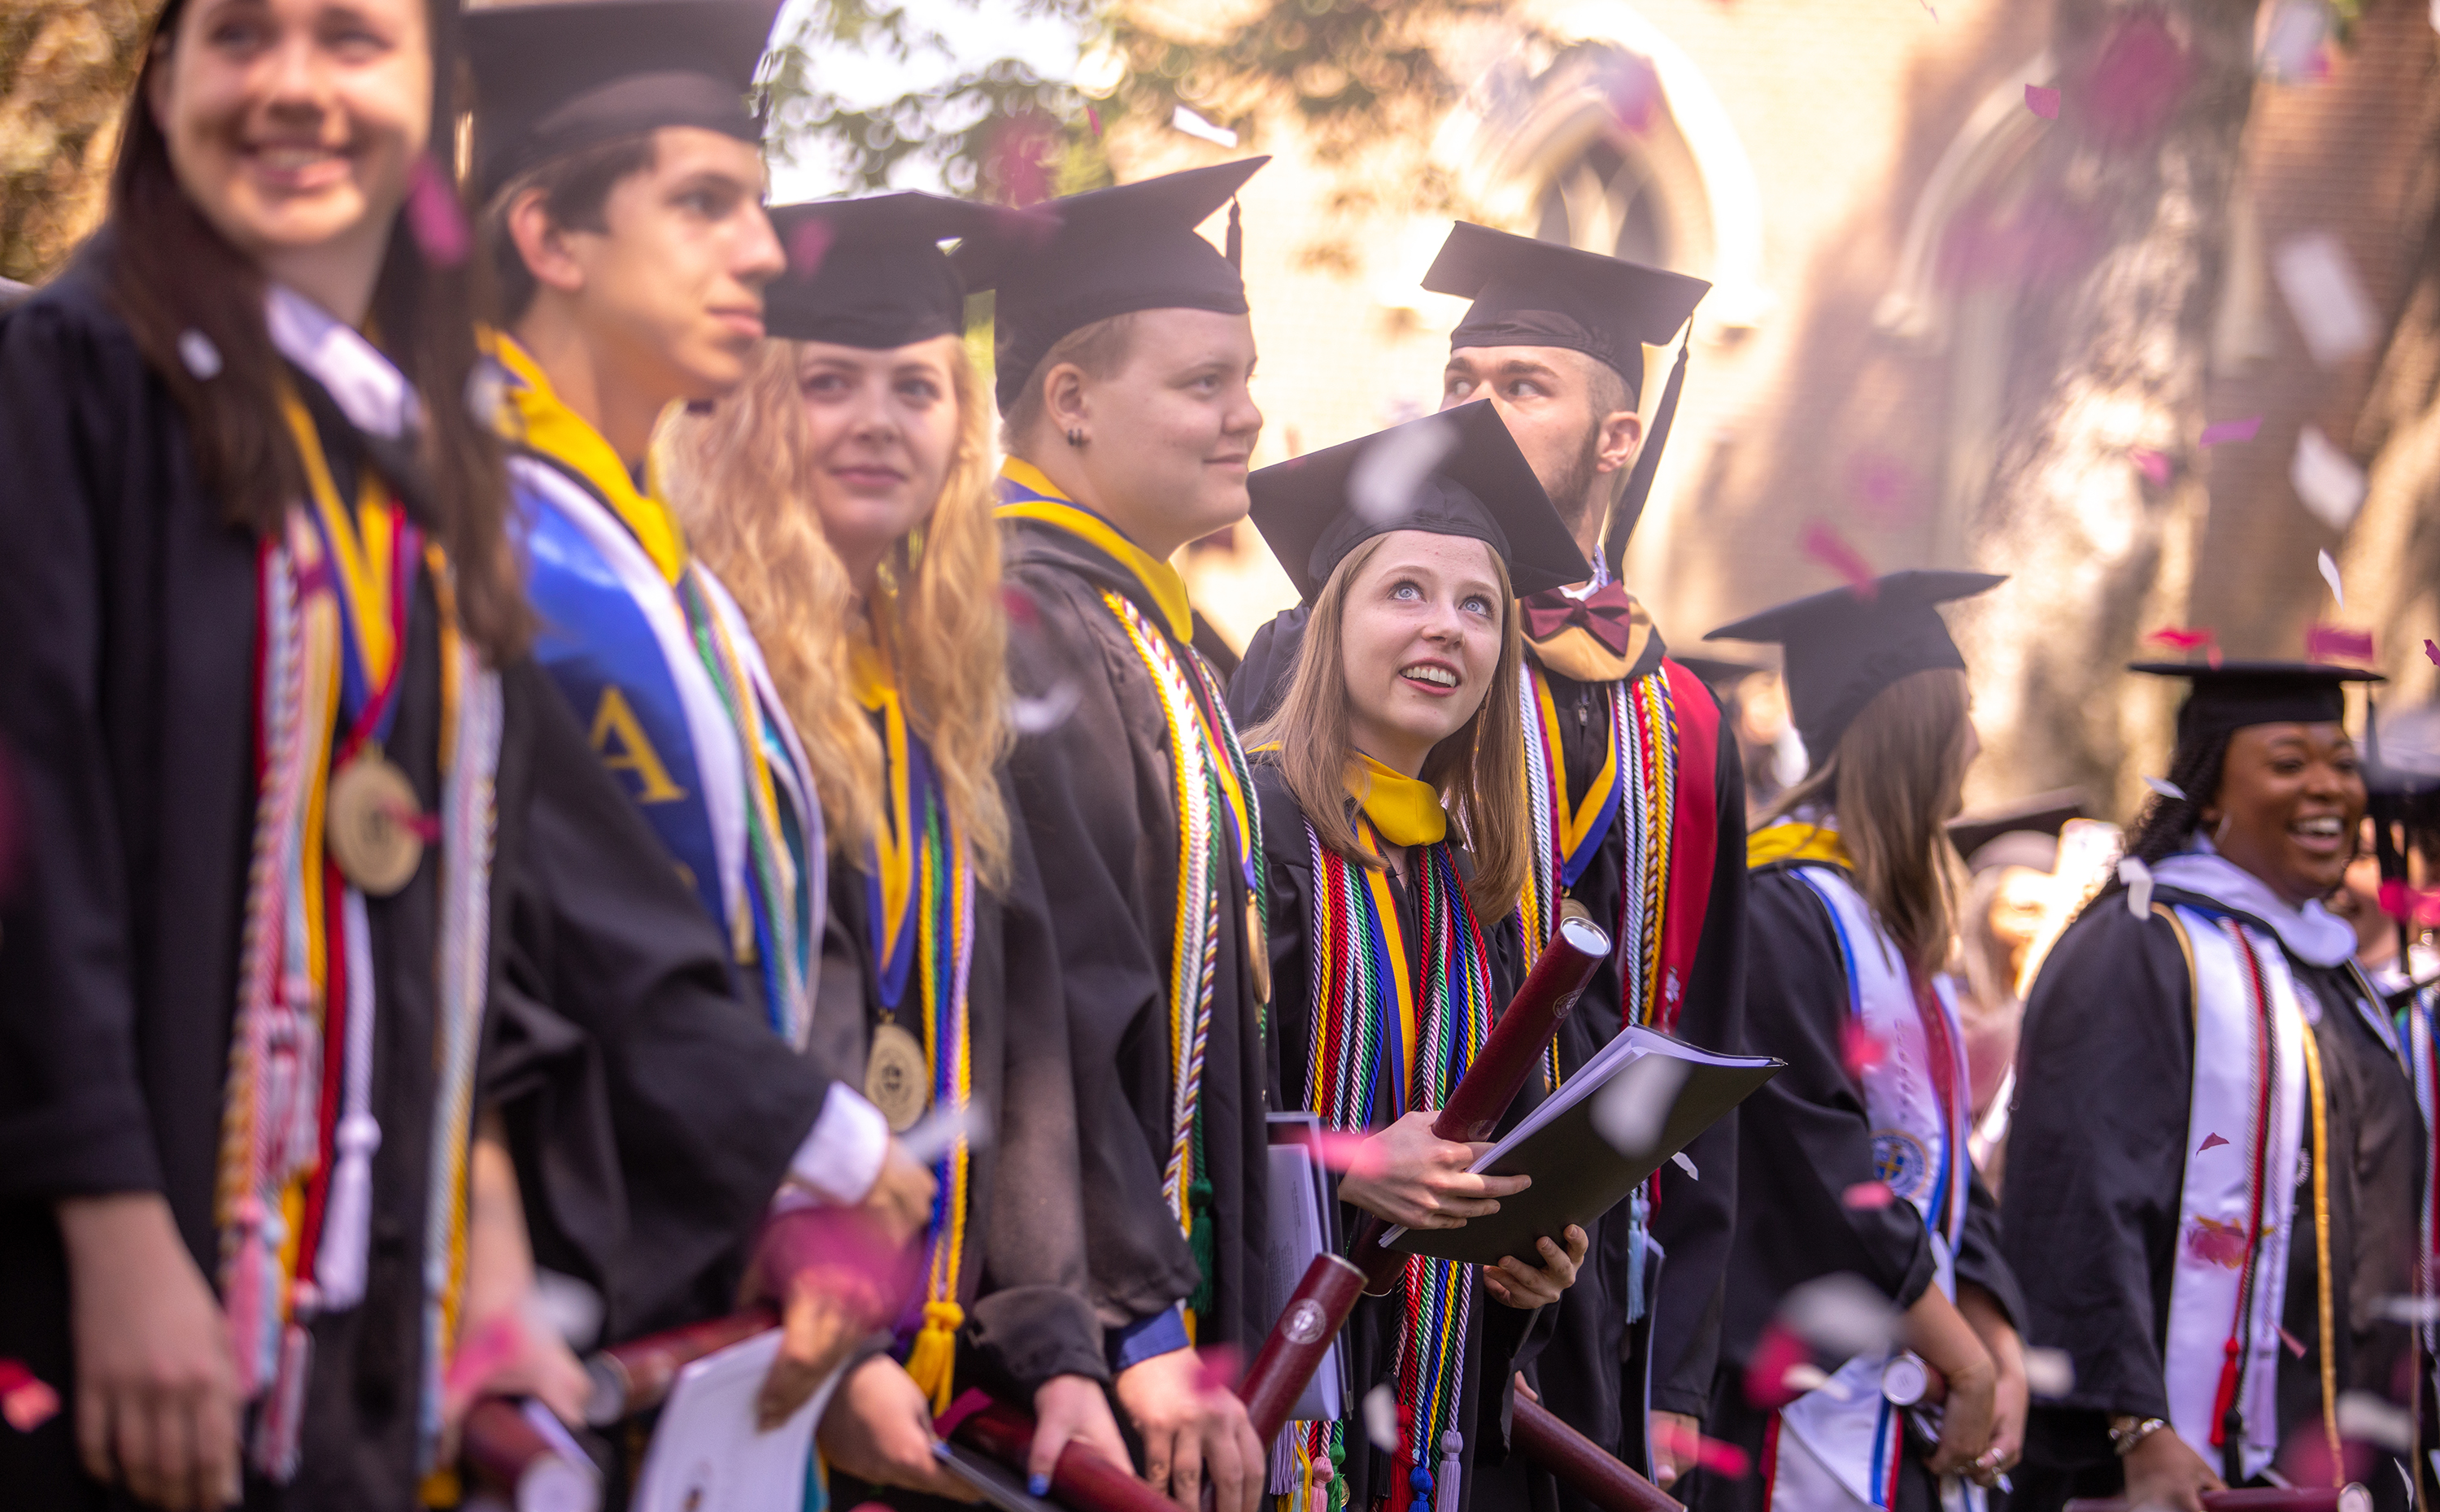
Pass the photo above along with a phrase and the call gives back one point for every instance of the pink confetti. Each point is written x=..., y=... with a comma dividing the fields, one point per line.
x=2295, y=1345
x=492, y=1345
x=2329, y=643
x=434, y=216
x=1632, y=86
x=2136, y=83
x=1868, y=1196
x=30, y=1406
x=1886, y=488
x=2219, y=1244
x=2432, y=652
x=1093, y=118
x=2419, y=906
x=2152, y=464
x=2211, y=1141
x=1343, y=1150
x=2182, y=640
x=1708, y=1453
x=1860, y=1049
x=2232, y=430
x=14, y=1374
x=1823, y=544
x=807, y=246
x=1775, y=1354
x=2042, y=101
x=1216, y=1369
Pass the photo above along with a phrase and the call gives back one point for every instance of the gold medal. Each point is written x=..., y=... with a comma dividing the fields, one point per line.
x=896, y=1079
x=368, y=827
x=1258, y=950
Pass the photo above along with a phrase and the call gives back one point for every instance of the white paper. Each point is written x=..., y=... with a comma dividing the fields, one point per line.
x=706, y=1455
x=1195, y=125
x=2326, y=479
x=2319, y=280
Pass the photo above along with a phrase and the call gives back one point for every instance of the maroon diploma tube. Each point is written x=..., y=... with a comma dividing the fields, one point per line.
x=509, y=1453
x=1293, y=1350
x=1517, y=1042
x=1581, y=1464
x=637, y=1375
x=2256, y=1499
x=1082, y=1481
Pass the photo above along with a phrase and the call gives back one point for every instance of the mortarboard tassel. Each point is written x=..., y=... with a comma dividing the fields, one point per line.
x=1638, y=483
x=1236, y=237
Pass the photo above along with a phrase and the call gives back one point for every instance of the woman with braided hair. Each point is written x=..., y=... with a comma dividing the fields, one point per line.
x=2216, y=1147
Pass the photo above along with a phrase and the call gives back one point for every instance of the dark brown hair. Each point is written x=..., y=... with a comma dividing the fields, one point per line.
x=1479, y=769
x=170, y=271
x=575, y=188
x=1893, y=772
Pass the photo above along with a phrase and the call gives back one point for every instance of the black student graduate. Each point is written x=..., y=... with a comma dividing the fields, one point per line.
x=1631, y=776
x=1853, y=1158
x=1123, y=351
x=254, y=573
x=2211, y=1068
x=844, y=494
x=1385, y=972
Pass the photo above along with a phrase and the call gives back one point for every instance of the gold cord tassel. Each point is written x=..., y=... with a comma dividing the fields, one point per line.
x=932, y=1360
x=2320, y=1099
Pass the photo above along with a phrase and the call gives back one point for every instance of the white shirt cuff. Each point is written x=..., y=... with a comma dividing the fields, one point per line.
x=841, y=1158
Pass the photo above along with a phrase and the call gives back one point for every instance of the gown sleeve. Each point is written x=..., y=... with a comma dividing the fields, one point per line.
x=2097, y=1159
x=1980, y=1259
x=73, y=1112
x=1697, y=1217
x=653, y=1104
x=1804, y=1138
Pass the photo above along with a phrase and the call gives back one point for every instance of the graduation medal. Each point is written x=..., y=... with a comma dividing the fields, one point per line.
x=369, y=828
x=897, y=1080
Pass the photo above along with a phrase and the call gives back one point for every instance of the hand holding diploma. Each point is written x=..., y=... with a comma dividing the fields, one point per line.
x=1408, y=1175
x=836, y=1274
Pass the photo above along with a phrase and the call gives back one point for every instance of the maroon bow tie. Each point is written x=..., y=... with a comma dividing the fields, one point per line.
x=1606, y=614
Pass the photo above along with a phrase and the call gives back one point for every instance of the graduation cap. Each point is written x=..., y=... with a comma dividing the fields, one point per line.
x=1530, y=293
x=1722, y=674
x=1109, y=252
x=556, y=78
x=1844, y=647
x=869, y=272
x=2237, y=693
x=1456, y=473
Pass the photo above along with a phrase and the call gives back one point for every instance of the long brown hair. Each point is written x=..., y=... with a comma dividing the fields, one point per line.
x=1479, y=769
x=170, y=271
x=737, y=478
x=1888, y=782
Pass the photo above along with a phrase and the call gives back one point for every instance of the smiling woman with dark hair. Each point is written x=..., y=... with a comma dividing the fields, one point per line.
x=2216, y=1148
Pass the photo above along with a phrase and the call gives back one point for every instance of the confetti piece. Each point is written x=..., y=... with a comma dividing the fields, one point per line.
x=2407, y=1309
x=808, y=243
x=1686, y=1165
x=1632, y=86
x=1342, y=1150
x=2370, y=1419
x=2330, y=575
x=2430, y=649
x=1860, y=1049
x=434, y=216
x=2182, y=640
x=2153, y=465
x=1710, y=1453
x=1840, y=1314
x=1630, y=1112
x=490, y=1346
x=201, y=358
x=1823, y=544
x=2232, y=430
x=1381, y=1420
x=2295, y=1345
x=2410, y=904
x=2319, y=280
x=2042, y=101
x=2329, y=643
x=2211, y=1141
x=1035, y=717
x=2165, y=788
x=2326, y=479
x=14, y=1374
x=1383, y=482
x=1093, y=118
x=567, y=1307
x=30, y=1404
x=1216, y=1367
x=1868, y=1196
x=2049, y=1372
x=2217, y=1243
x=1195, y=125
x=1775, y=1353
x=1804, y=1377
x=2137, y=878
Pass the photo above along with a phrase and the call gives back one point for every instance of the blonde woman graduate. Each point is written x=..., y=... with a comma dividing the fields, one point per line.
x=843, y=492
x=1397, y=840
x=1853, y=1160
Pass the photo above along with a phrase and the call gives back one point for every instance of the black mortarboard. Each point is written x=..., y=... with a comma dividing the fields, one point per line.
x=869, y=272
x=1529, y=292
x=1456, y=473
x=1109, y=252
x=1844, y=646
x=2237, y=693
x=556, y=78
x=1722, y=674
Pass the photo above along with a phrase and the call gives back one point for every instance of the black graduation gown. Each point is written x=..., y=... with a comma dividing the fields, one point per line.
x=1095, y=791
x=1803, y=1140
x=128, y=607
x=1024, y=1285
x=1595, y=1366
x=1502, y=1336
x=2097, y=1163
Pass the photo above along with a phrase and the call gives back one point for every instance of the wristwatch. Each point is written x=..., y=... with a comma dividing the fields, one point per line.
x=2126, y=1430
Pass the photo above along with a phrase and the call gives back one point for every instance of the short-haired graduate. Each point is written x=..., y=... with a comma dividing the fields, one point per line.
x=1397, y=839
x=622, y=177
x=844, y=493
x=1637, y=805
x=1853, y=1161
x=1123, y=353
x=2215, y=1166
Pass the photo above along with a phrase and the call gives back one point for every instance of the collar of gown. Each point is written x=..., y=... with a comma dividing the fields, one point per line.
x=2312, y=933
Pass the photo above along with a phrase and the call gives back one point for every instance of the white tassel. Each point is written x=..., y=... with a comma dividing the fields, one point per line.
x=1283, y=1462
x=2137, y=878
x=347, y=1220
x=1447, y=1485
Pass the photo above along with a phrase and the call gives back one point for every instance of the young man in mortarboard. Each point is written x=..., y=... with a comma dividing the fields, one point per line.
x=622, y=177
x=1639, y=789
x=1123, y=352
